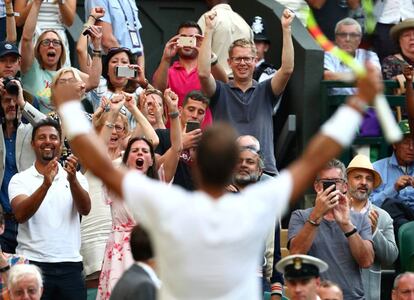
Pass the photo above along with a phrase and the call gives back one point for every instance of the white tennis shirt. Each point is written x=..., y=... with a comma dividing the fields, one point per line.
x=206, y=248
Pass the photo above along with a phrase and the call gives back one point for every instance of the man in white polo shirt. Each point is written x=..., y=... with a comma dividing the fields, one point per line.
x=47, y=200
x=206, y=241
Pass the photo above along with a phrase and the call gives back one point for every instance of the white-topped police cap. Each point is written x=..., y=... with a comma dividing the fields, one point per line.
x=8, y=48
x=259, y=30
x=301, y=266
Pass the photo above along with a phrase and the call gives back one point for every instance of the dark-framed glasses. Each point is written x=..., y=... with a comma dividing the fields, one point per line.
x=47, y=42
x=246, y=59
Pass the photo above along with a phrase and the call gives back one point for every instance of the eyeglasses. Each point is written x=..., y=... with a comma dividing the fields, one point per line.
x=338, y=181
x=247, y=59
x=47, y=42
x=347, y=35
x=118, y=128
x=68, y=80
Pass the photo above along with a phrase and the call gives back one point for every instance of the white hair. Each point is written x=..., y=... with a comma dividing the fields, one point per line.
x=19, y=271
x=348, y=21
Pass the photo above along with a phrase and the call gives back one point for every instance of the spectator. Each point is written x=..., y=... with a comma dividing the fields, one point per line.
x=389, y=13
x=330, y=291
x=25, y=282
x=403, y=36
x=9, y=60
x=229, y=26
x=182, y=76
x=348, y=36
x=15, y=144
x=395, y=194
x=41, y=61
x=139, y=282
x=209, y=258
x=55, y=15
x=302, y=275
x=245, y=104
x=151, y=104
x=7, y=260
x=193, y=110
x=249, y=170
x=139, y=155
x=334, y=233
x=47, y=200
x=263, y=69
x=121, y=26
x=403, y=288
x=111, y=84
x=362, y=179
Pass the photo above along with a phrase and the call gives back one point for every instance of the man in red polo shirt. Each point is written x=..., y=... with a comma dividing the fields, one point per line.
x=182, y=76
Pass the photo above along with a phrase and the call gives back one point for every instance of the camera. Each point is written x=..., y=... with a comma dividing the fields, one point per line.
x=11, y=87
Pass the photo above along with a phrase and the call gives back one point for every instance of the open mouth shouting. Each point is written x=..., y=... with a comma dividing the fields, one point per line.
x=139, y=163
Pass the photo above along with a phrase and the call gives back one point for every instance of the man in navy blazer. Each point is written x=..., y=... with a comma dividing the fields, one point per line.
x=139, y=282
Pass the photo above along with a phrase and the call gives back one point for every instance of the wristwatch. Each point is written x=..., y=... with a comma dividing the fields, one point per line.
x=348, y=234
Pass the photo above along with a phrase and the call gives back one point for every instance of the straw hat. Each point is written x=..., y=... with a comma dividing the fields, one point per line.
x=396, y=30
x=362, y=162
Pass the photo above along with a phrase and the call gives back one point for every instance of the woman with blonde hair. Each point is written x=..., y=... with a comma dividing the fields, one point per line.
x=40, y=63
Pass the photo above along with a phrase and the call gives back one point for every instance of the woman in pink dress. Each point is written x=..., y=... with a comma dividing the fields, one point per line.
x=139, y=154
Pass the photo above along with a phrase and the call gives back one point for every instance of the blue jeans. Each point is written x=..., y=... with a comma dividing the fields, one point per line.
x=63, y=280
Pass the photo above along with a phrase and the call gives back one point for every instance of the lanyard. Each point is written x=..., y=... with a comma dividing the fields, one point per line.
x=125, y=16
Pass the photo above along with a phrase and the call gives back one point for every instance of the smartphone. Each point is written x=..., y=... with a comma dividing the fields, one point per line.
x=327, y=183
x=86, y=32
x=192, y=125
x=126, y=71
x=186, y=41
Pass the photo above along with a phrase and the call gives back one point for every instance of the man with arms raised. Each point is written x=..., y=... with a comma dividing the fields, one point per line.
x=244, y=103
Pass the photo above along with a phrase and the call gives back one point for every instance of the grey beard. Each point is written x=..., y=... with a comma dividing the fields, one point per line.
x=246, y=179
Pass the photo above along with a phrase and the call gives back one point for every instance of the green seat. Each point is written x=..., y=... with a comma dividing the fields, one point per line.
x=406, y=244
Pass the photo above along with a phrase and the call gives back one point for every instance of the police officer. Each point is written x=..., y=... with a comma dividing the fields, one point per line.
x=302, y=275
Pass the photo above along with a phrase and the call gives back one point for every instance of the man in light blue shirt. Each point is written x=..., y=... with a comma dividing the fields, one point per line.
x=348, y=35
x=397, y=172
x=120, y=24
x=396, y=193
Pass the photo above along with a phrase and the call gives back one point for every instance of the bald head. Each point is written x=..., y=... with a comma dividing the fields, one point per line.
x=248, y=141
x=330, y=291
x=403, y=287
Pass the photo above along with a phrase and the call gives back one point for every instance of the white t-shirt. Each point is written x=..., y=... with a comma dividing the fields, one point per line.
x=52, y=234
x=393, y=11
x=206, y=248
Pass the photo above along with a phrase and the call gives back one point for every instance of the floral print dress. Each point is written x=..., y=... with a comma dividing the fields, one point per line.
x=118, y=257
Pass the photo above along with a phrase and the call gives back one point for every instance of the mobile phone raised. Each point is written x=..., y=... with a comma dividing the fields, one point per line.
x=328, y=183
x=192, y=125
x=126, y=71
x=186, y=41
